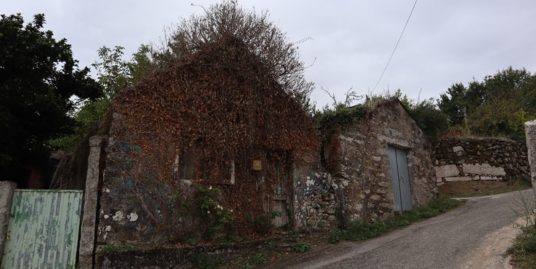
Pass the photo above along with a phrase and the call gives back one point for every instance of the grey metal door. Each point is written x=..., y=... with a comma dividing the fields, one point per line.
x=400, y=177
x=43, y=229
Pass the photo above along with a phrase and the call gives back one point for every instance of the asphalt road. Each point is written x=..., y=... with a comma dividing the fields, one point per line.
x=462, y=238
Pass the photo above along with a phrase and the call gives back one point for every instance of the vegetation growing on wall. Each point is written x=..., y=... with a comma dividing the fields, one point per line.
x=341, y=115
x=216, y=106
x=226, y=79
x=222, y=102
x=496, y=106
x=218, y=219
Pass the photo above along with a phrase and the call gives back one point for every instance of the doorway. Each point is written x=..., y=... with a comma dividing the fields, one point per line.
x=398, y=161
x=280, y=179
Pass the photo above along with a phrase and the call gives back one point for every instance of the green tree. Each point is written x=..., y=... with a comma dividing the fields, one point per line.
x=496, y=106
x=112, y=71
x=142, y=62
x=430, y=119
x=453, y=103
x=114, y=74
x=38, y=78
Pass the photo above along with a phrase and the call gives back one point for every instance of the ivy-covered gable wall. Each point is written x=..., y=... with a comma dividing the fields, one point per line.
x=200, y=150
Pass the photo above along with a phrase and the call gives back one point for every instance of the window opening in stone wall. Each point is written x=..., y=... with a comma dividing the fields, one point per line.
x=192, y=165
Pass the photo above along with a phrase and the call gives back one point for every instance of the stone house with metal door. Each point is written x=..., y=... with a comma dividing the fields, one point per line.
x=381, y=163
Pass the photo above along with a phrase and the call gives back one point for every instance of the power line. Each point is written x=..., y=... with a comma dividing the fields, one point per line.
x=396, y=46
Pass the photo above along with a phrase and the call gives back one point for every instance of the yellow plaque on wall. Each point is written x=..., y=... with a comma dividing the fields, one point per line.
x=257, y=165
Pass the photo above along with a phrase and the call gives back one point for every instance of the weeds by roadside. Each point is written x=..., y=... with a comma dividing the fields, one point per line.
x=253, y=261
x=523, y=251
x=300, y=247
x=363, y=230
x=297, y=243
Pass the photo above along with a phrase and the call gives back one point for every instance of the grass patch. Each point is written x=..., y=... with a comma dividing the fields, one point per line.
x=360, y=230
x=480, y=188
x=253, y=261
x=524, y=249
x=300, y=247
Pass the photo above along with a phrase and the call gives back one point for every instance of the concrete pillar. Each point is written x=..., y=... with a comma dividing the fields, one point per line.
x=6, y=194
x=530, y=133
x=86, y=250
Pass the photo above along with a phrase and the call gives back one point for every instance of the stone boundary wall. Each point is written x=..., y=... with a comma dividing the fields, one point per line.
x=6, y=194
x=480, y=158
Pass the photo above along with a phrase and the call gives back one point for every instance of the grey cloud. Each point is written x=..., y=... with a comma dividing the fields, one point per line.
x=445, y=42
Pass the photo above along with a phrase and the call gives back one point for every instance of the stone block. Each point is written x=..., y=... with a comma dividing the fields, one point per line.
x=375, y=197
x=448, y=170
x=489, y=178
x=483, y=169
x=451, y=179
x=458, y=150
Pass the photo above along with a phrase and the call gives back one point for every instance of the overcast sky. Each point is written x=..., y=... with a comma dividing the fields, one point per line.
x=445, y=41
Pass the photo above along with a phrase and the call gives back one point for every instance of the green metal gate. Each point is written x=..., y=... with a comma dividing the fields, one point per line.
x=43, y=229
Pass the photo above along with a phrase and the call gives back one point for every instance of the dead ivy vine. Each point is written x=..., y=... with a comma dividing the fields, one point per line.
x=225, y=102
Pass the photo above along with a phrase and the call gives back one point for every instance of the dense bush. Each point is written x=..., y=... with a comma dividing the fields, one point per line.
x=496, y=106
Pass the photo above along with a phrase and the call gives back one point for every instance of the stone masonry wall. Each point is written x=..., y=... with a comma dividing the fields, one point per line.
x=139, y=212
x=362, y=166
x=138, y=209
x=466, y=159
x=315, y=200
x=132, y=210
